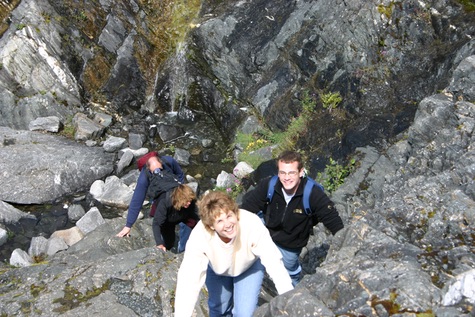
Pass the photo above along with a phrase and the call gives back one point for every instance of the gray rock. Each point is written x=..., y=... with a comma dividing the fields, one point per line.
x=38, y=246
x=463, y=81
x=207, y=143
x=194, y=186
x=131, y=177
x=20, y=258
x=113, y=192
x=126, y=85
x=182, y=156
x=169, y=132
x=433, y=112
x=50, y=124
x=463, y=286
x=263, y=154
x=124, y=161
x=103, y=119
x=113, y=34
x=242, y=169
x=75, y=212
x=86, y=128
x=55, y=245
x=408, y=218
x=136, y=140
x=137, y=153
x=90, y=221
x=61, y=166
x=251, y=125
x=3, y=236
x=97, y=189
x=226, y=180
x=10, y=214
x=302, y=304
x=113, y=144
x=90, y=143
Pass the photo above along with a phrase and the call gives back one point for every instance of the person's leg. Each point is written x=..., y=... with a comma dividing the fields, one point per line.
x=247, y=287
x=168, y=235
x=220, y=294
x=290, y=258
x=184, y=235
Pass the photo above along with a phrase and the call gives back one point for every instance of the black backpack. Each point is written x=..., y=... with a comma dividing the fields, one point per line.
x=161, y=181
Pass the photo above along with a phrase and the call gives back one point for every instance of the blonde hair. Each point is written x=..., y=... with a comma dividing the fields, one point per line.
x=213, y=204
x=181, y=195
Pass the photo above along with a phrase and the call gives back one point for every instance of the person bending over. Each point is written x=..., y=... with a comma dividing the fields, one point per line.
x=153, y=161
x=178, y=206
x=229, y=250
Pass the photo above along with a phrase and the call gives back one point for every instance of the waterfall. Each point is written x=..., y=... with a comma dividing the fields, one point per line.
x=179, y=78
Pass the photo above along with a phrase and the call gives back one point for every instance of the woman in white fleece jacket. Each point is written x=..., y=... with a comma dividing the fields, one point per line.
x=229, y=249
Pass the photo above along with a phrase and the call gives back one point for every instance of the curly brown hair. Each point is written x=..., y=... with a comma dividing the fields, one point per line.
x=181, y=195
x=213, y=204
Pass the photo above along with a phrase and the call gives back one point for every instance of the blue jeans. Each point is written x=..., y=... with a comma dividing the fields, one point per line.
x=234, y=296
x=291, y=261
x=290, y=257
x=184, y=235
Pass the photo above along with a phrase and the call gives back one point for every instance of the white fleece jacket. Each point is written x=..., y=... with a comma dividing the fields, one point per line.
x=230, y=259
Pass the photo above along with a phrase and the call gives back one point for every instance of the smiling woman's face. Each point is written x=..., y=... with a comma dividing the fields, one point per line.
x=226, y=226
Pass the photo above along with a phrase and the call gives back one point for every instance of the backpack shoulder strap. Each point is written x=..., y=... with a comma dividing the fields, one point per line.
x=306, y=193
x=270, y=189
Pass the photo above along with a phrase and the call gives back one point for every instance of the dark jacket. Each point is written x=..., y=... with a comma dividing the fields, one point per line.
x=289, y=225
x=140, y=191
x=166, y=218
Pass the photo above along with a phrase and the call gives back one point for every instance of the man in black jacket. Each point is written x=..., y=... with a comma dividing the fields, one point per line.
x=288, y=223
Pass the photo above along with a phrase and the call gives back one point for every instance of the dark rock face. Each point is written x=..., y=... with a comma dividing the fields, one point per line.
x=381, y=59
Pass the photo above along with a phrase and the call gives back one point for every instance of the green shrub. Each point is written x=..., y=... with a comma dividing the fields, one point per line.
x=331, y=100
x=335, y=174
x=469, y=5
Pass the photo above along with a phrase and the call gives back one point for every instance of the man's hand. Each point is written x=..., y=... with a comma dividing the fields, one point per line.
x=124, y=232
x=162, y=247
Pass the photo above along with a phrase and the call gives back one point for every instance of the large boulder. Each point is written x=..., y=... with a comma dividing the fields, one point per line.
x=40, y=168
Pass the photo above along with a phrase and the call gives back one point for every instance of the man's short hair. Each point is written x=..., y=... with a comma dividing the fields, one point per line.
x=290, y=157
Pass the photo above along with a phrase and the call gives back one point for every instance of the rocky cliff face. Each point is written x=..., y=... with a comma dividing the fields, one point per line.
x=133, y=58
x=408, y=245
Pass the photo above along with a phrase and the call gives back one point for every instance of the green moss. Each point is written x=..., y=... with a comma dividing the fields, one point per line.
x=73, y=297
x=389, y=304
x=386, y=10
x=35, y=290
x=25, y=307
x=469, y=5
